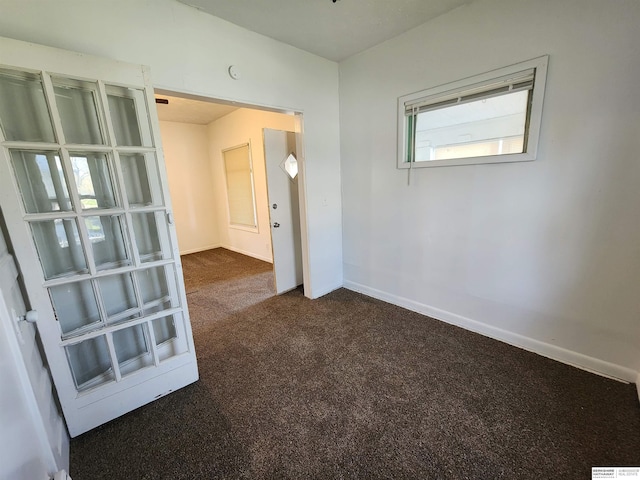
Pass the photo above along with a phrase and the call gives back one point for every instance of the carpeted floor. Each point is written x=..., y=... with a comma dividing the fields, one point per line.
x=350, y=387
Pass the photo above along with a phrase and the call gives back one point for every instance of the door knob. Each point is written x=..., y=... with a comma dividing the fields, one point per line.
x=31, y=316
x=276, y=225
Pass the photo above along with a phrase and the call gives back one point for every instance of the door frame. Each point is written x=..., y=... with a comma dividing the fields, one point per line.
x=302, y=182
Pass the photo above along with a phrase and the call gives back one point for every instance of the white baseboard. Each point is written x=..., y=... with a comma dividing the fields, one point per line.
x=324, y=291
x=584, y=362
x=248, y=254
x=199, y=249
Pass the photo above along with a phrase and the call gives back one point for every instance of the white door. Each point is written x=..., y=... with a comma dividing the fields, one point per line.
x=284, y=211
x=21, y=452
x=84, y=192
x=34, y=443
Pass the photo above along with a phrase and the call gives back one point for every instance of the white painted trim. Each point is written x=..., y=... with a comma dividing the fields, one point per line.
x=248, y=254
x=584, y=362
x=7, y=264
x=199, y=249
x=326, y=291
x=302, y=205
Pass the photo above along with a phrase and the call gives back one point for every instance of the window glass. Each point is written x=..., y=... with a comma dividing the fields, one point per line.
x=170, y=336
x=78, y=107
x=164, y=329
x=90, y=363
x=154, y=289
x=107, y=239
x=24, y=115
x=150, y=230
x=75, y=305
x=490, y=126
x=141, y=179
x=240, y=194
x=132, y=349
x=42, y=182
x=59, y=249
x=290, y=166
x=128, y=109
x=93, y=179
x=119, y=297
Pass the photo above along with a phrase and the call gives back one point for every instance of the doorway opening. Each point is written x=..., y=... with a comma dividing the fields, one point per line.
x=217, y=165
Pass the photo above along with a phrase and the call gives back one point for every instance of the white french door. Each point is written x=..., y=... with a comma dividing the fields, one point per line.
x=84, y=193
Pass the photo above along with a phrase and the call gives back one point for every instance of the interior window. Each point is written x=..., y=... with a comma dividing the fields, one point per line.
x=240, y=193
x=488, y=118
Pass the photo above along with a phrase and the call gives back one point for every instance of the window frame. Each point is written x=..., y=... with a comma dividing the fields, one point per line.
x=241, y=226
x=463, y=87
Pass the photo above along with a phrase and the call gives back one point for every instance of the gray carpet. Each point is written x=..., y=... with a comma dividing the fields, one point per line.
x=350, y=387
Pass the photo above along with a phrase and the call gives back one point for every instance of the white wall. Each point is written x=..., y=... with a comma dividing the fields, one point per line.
x=544, y=254
x=186, y=152
x=195, y=167
x=190, y=51
x=240, y=127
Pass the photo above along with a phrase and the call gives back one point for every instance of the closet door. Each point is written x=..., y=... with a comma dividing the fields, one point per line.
x=84, y=191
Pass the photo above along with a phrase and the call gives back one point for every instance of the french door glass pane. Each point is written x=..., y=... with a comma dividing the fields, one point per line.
x=41, y=181
x=129, y=117
x=142, y=182
x=84, y=177
x=93, y=179
x=77, y=105
x=148, y=241
x=90, y=363
x=164, y=329
x=107, y=241
x=24, y=115
x=154, y=289
x=132, y=349
x=118, y=296
x=59, y=249
x=170, y=336
x=75, y=305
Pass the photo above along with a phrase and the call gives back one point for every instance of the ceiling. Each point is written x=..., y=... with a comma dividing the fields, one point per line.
x=185, y=110
x=331, y=30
